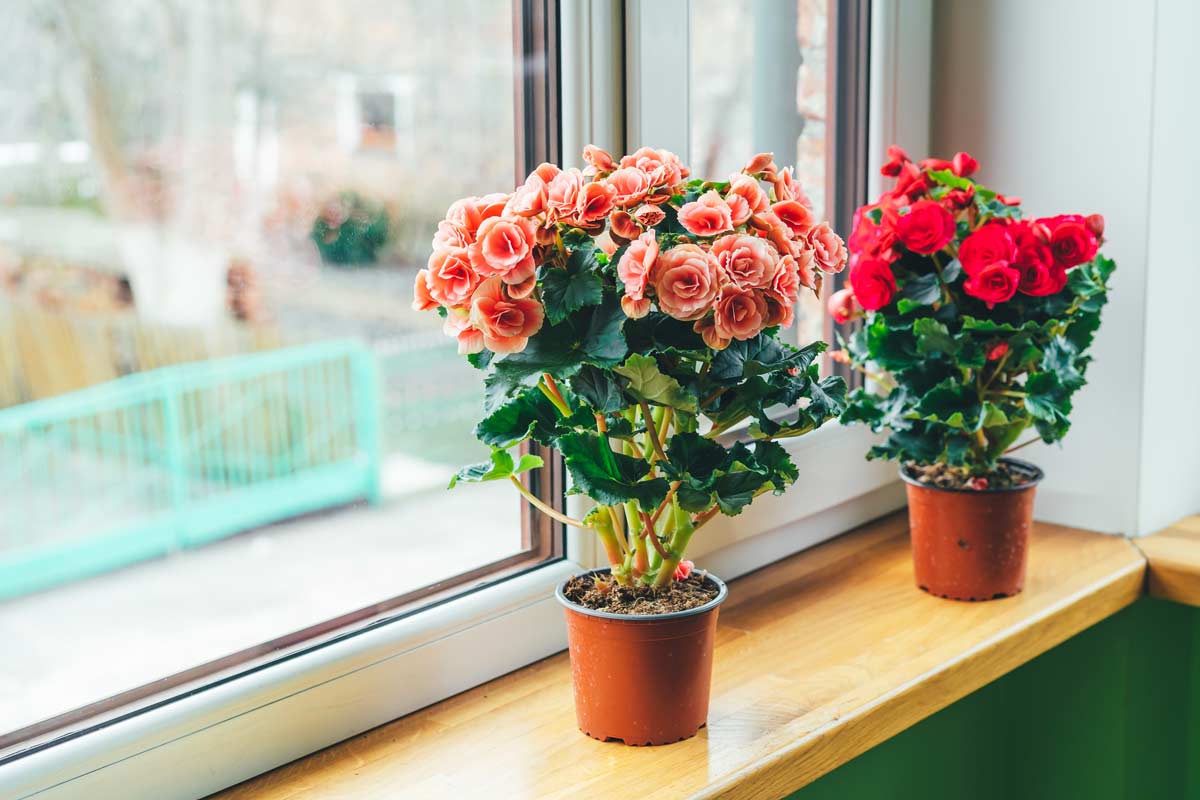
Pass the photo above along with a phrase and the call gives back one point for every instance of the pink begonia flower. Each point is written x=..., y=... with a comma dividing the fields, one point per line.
x=634, y=267
x=622, y=226
x=491, y=205
x=763, y=162
x=649, y=215
x=465, y=214
x=506, y=322
x=630, y=185
x=451, y=234
x=707, y=328
x=596, y=203
x=748, y=188
x=565, y=194
x=683, y=569
x=529, y=199
x=786, y=188
x=599, y=159
x=828, y=248
x=739, y=314
x=708, y=215
x=747, y=262
x=450, y=277
x=739, y=209
x=663, y=166
x=422, y=299
x=797, y=216
x=685, y=279
x=635, y=309
x=504, y=247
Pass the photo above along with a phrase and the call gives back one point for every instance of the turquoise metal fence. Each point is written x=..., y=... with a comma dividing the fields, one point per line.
x=178, y=456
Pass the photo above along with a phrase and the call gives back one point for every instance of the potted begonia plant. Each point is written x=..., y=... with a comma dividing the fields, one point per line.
x=976, y=327
x=627, y=316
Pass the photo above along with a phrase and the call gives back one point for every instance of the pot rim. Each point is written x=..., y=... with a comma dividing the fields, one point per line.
x=722, y=593
x=1035, y=472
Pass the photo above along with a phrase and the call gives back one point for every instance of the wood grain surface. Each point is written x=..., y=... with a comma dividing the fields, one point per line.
x=819, y=658
x=1173, y=561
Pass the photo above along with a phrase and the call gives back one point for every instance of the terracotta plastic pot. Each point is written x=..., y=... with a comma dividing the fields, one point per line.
x=642, y=679
x=970, y=544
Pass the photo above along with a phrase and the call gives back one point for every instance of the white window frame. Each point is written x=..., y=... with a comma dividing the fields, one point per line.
x=243, y=726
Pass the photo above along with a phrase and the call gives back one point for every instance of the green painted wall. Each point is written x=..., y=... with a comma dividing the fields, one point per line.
x=1111, y=714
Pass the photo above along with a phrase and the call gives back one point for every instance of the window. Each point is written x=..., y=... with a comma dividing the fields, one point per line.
x=224, y=432
x=301, y=130
x=759, y=84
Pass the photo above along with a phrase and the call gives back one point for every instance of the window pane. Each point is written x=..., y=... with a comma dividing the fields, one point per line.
x=758, y=84
x=221, y=422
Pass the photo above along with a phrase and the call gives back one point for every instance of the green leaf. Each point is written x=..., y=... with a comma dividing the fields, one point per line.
x=758, y=356
x=648, y=383
x=572, y=288
x=953, y=404
x=735, y=490
x=591, y=336
x=922, y=289
x=481, y=359
x=516, y=419
x=772, y=457
x=934, y=337
x=607, y=477
x=598, y=389
x=601, y=341
x=827, y=397
x=947, y=178
x=694, y=499
x=658, y=333
x=951, y=271
x=1049, y=403
x=993, y=415
x=498, y=468
x=690, y=454
x=1061, y=358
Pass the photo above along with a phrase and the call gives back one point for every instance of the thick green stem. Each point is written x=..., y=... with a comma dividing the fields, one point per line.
x=537, y=503
x=637, y=541
x=602, y=524
x=554, y=398
x=652, y=431
x=678, y=544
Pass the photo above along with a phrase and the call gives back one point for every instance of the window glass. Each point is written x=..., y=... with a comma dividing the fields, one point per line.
x=221, y=422
x=759, y=84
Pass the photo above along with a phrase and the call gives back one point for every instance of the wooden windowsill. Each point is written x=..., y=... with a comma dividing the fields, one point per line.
x=1173, y=561
x=819, y=658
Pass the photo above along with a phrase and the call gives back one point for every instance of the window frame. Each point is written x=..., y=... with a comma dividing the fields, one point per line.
x=260, y=718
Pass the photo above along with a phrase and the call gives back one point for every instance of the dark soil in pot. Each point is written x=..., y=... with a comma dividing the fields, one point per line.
x=972, y=543
x=602, y=595
x=642, y=678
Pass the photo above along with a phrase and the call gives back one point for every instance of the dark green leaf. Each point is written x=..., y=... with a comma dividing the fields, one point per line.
x=922, y=289
x=934, y=337
x=735, y=490
x=607, y=477
x=498, y=468
x=953, y=404
x=649, y=384
x=567, y=290
x=515, y=420
x=690, y=454
x=598, y=388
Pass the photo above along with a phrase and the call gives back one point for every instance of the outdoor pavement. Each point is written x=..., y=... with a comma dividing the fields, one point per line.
x=75, y=644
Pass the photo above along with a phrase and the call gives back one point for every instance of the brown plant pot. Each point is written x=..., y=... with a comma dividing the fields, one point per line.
x=642, y=679
x=970, y=544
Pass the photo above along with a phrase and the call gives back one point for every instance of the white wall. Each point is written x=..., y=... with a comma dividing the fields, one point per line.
x=1087, y=106
x=1170, y=475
